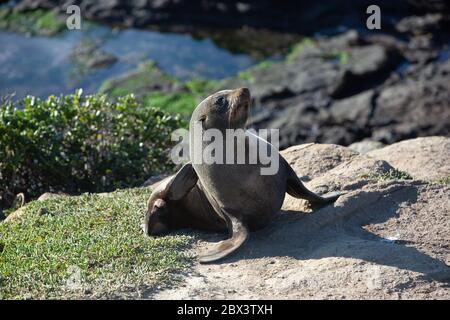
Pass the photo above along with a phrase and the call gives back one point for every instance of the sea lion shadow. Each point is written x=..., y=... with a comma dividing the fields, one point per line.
x=338, y=231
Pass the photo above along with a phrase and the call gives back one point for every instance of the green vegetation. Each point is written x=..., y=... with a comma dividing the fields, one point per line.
x=202, y=87
x=342, y=57
x=298, y=49
x=90, y=245
x=75, y=144
x=392, y=174
x=146, y=78
x=182, y=102
x=145, y=83
x=444, y=180
x=248, y=75
x=36, y=22
x=258, y=43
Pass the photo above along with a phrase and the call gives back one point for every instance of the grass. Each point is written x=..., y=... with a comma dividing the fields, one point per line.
x=341, y=57
x=392, y=174
x=138, y=81
x=248, y=75
x=86, y=246
x=181, y=100
x=36, y=22
x=202, y=87
x=444, y=180
x=298, y=49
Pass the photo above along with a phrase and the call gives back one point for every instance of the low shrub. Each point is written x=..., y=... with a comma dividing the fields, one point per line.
x=78, y=143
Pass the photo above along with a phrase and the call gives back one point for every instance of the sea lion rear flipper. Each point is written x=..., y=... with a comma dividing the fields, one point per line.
x=297, y=189
x=182, y=182
x=239, y=234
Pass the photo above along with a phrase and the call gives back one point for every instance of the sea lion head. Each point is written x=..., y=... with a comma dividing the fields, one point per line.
x=226, y=109
x=156, y=222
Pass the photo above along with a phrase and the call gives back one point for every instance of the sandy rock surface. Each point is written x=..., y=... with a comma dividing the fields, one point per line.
x=423, y=158
x=382, y=239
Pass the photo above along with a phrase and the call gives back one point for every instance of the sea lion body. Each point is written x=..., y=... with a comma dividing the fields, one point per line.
x=196, y=212
x=243, y=190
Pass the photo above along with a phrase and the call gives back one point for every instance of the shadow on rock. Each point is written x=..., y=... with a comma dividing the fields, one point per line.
x=341, y=230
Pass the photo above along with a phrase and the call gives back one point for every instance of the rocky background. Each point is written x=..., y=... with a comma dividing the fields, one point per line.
x=301, y=16
x=386, y=90
x=341, y=84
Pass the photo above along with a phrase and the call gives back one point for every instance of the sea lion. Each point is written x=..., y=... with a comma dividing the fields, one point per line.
x=233, y=197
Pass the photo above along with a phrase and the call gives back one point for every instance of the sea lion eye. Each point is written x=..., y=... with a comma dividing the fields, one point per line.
x=222, y=103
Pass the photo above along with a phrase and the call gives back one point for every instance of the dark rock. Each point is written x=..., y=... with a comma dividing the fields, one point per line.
x=101, y=60
x=418, y=25
x=303, y=16
x=373, y=93
x=356, y=109
x=88, y=55
x=335, y=89
x=368, y=66
x=433, y=6
x=414, y=107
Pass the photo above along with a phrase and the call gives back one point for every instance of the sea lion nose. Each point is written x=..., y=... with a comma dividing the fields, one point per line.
x=243, y=93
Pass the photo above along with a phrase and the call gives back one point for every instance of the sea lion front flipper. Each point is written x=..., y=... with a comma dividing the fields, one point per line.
x=172, y=188
x=297, y=189
x=181, y=183
x=239, y=234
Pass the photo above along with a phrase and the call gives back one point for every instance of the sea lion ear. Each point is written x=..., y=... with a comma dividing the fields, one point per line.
x=182, y=182
x=239, y=235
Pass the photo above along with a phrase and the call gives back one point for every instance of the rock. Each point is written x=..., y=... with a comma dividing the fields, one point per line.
x=87, y=56
x=307, y=17
x=334, y=88
x=367, y=66
x=50, y=195
x=15, y=216
x=413, y=107
x=146, y=79
x=423, y=158
x=348, y=88
x=423, y=24
x=436, y=5
x=312, y=160
x=101, y=60
x=352, y=174
x=154, y=180
x=380, y=240
x=365, y=146
x=356, y=109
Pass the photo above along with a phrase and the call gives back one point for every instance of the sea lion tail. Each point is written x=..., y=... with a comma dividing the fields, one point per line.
x=331, y=196
x=239, y=235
